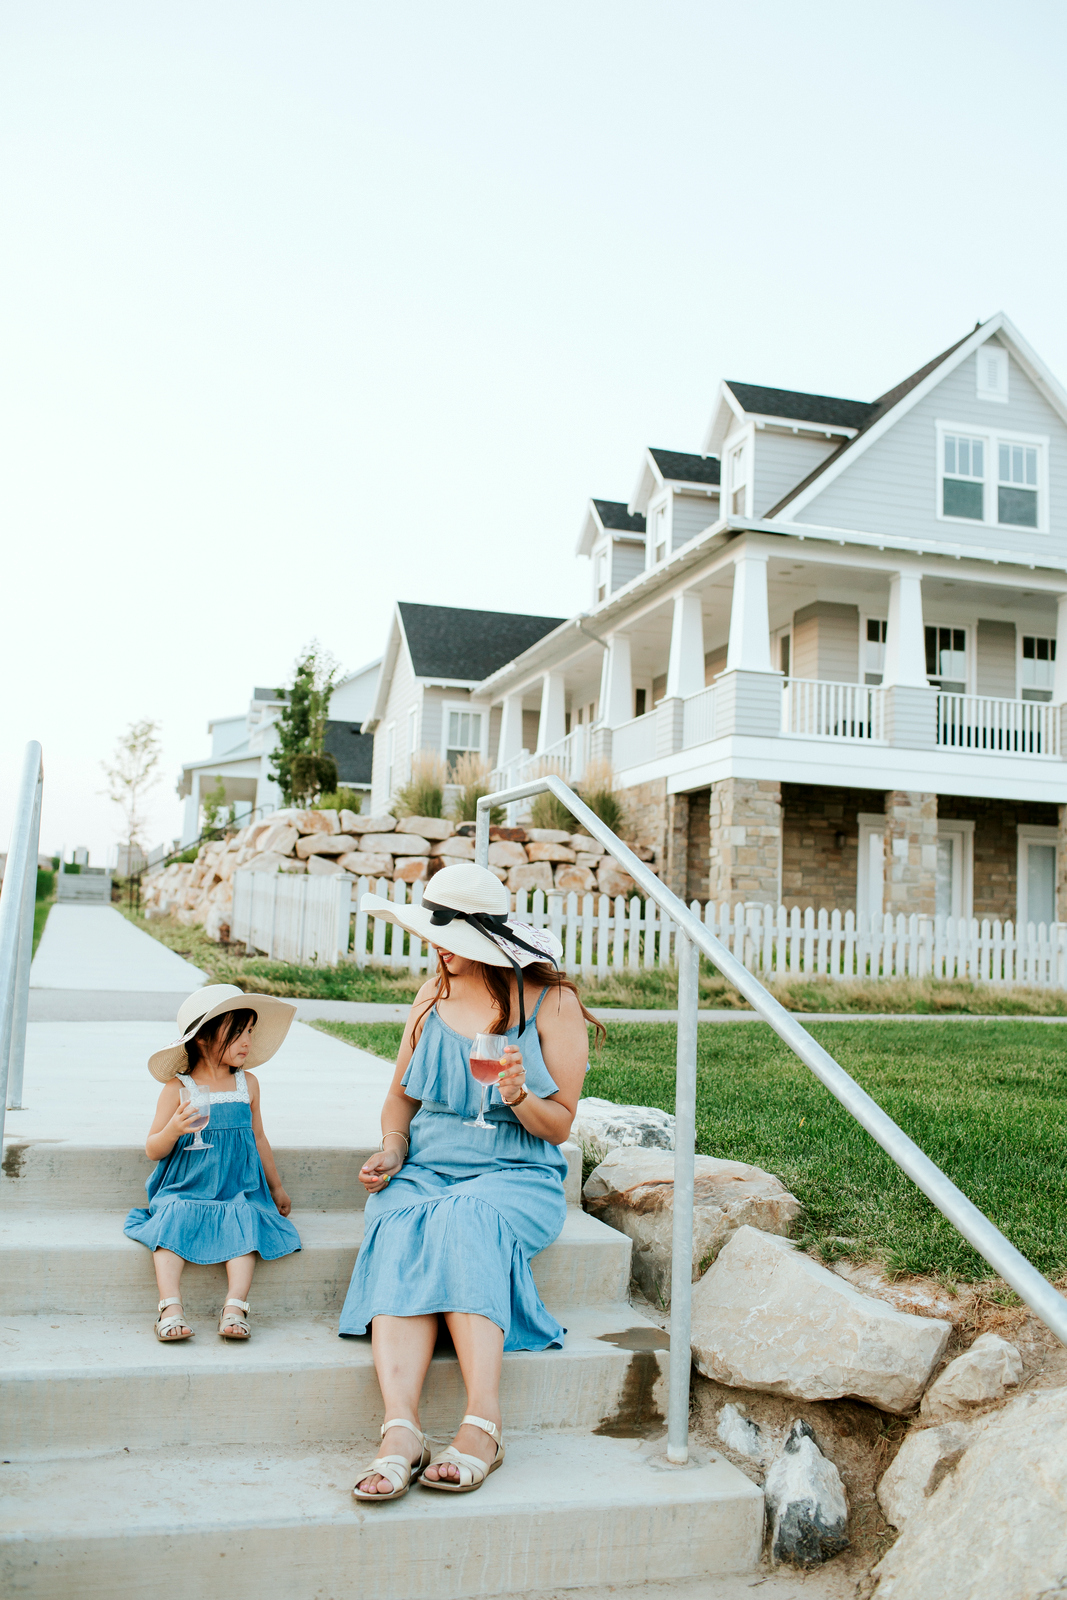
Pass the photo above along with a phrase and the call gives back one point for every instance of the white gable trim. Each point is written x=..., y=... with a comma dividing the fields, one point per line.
x=385, y=676
x=649, y=479
x=1027, y=358
x=714, y=437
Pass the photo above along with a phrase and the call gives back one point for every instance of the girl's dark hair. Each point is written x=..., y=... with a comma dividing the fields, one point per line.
x=498, y=981
x=216, y=1036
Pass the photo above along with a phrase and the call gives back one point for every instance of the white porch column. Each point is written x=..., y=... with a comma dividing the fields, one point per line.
x=749, y=649
x=552, y=727
x=510, y=746
x=905, y=645
x=616, y=683
x=191, y=812
x=1059, y=681
x=685, y=668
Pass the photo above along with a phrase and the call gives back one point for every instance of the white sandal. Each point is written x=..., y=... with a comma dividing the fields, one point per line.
x=165, y=1324
x=232, y=1326
x=473, y=1471
x=397, y=1469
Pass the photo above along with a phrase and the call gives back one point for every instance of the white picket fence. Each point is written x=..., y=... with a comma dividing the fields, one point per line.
x=309, y=919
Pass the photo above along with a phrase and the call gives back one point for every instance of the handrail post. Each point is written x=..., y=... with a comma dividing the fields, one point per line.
x=14, y=964
x=21, y=1007
x=685, y=1100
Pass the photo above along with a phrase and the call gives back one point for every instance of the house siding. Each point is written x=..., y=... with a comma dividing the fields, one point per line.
x=782, y=460
x=892, y=487
x=995, y=661
x=403, y=694
x=627, y=561
x=690, y=515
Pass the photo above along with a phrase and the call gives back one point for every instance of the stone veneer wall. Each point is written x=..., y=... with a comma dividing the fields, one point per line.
x=698, y=846
x=816, y=871
x=745, y=825
x=996, y=848
x=646, y=815
x=910, y=852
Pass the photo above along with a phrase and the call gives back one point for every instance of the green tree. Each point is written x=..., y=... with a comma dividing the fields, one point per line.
x=302, y=769
x=131, y=773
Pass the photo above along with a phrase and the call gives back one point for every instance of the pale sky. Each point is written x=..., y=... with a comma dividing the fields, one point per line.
x=312, y=307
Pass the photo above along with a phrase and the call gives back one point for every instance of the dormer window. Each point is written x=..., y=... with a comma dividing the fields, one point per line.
x=659, y=534
x=738, y=480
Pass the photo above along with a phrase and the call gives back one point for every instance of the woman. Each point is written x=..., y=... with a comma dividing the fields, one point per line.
x=454, y=1212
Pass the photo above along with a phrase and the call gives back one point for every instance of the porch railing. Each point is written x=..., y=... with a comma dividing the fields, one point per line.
x=17, y=901
x=1006, y=727
x=818, y=709
x=568, y=757
x=634, y=742
x=698, y=718
x=692, y=939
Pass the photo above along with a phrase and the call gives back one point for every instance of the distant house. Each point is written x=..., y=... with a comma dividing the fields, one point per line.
x=242, y=749
x=434, y=657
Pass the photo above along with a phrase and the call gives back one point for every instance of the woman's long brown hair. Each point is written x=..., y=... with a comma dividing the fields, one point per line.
x=498, y=982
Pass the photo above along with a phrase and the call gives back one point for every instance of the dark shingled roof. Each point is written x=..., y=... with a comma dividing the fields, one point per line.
x=825, y=410
x=614, y=515
x=447, y=642
x=684, y=468
x=351, y=748
x=875, y=410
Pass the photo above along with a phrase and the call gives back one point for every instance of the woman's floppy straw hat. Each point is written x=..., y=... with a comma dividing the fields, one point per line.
x=466, y=910
x=273, y=1018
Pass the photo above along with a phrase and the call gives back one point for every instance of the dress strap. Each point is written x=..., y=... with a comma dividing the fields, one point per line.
x=537, y=1007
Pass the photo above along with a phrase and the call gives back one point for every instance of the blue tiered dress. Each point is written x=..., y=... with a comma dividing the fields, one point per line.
x=212, y=1205
x=455, y=1229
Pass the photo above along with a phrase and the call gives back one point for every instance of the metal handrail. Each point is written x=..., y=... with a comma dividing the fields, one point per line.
x=16, y=929
x=693, y=937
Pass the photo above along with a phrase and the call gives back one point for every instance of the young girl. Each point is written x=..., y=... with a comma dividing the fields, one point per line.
x=225, y=1202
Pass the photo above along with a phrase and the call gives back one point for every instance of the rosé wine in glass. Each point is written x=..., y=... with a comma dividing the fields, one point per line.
x=486, y=1066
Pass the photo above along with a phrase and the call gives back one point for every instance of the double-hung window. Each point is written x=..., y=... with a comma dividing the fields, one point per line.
x=992, y=476
x=1038, y=667
x=658, y=540
x=464, y=733
x=946, y=658
x=1017, y=485
x=738, y=480
x=601, y=575
x=874, y=649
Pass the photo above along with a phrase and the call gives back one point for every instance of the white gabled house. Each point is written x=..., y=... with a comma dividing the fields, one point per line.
x=827, y=657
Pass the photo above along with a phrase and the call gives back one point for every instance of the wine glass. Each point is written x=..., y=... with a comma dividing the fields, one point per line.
x=486, y=1065
x=201, y=1120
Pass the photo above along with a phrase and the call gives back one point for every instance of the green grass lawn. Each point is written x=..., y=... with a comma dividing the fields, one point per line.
x=40, y=917
x=986, y=1102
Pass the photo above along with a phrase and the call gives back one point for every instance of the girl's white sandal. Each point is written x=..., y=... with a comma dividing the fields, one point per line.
x=165, y=1324
x=397, y=1469
x=473, y=1471
x=232, y=1326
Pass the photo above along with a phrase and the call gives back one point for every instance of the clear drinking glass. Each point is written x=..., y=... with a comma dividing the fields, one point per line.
x=486, y=1066
x=201, y=1121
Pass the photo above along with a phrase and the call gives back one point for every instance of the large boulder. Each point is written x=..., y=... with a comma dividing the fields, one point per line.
x=535, y=875
x=633, y=1191
x=506, y=853
x=766, y=1316
x=266, y=861
x=613, y=1127
x=918, y=1468
x=538, y=851
x=317, y=821
x=411, y=869
x=324, y=844
x=426, y=827
x=279, y=838
x=612, y=880
x=384, y=824
x=574, y=880
x=292, y=864
x=584, y=842
x=806, y=1501
x=367, y=863
x=985, y=1372
x=453, y=849
x=547, y=835
x=348, y=821
x=395, y=844
x=324, y=867
x=996, y=1525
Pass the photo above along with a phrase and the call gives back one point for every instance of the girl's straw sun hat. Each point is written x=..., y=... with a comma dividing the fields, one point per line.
x=273, y=1017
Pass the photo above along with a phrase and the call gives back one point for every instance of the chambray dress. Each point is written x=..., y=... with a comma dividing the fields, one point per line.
x=212, y=1205
x=455, y=1229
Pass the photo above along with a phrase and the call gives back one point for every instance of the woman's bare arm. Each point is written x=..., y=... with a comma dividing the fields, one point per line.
x=171, y=1120
x=561, y=1029
x=266, y=1154
x=398, y=1108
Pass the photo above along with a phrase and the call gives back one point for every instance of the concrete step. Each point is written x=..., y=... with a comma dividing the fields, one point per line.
x=563, y=1512
x=85, y=1384
x=51, y=1175
x=80, y=1261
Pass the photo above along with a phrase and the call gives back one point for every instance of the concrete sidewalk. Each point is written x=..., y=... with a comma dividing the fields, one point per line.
x=364, y=1011
x=95, y=948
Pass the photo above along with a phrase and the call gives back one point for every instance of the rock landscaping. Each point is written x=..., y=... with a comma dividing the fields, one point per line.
x=409, y=850
x=633, y=1190
x=985, y=1372
x=806, y=1502
x=603, y=1126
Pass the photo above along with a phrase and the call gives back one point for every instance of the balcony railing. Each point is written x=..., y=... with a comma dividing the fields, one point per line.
x=698, y=718
x=568, y=757
x=1004, y=727
x=816, y=709
x=633, y=743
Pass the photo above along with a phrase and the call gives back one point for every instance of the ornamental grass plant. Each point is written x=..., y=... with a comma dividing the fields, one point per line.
x=424, y=793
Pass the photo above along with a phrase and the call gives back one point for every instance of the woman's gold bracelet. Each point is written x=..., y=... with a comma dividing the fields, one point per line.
x=399, y=1135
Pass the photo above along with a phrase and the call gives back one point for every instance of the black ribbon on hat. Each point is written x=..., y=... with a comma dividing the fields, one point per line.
x=495, y=927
